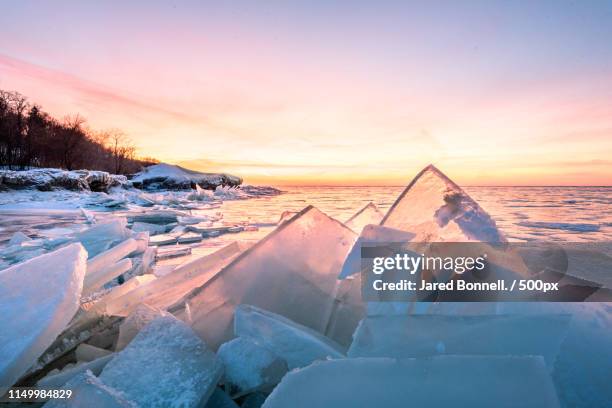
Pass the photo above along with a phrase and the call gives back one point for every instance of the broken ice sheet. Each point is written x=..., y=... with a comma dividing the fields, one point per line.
x=369, y=214
x=170, y=288
x=165, y=365
x=430, y=335
x=103, y=235
x=444, y=381
x=249, y=367
x=292, y=272
x=296, y=344
x=89, y=391
x=60, y=379
x=38, y=298
x=139, y=318
x=436, y=209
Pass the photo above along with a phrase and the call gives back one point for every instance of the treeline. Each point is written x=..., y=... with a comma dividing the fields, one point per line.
x=29, y=137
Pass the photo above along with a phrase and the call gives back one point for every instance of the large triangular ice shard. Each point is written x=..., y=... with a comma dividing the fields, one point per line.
x=38, y=298
x=431, y=335
x=436, y=209
x=296, y=344
x=445, y=381
x=292, y=272
x=166, y=365
x=369, y=214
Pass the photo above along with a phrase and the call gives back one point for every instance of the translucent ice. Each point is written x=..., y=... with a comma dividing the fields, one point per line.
x=86, y=352
x=18, y=238
x=430, y=335
x=296, y=344
x=150, y=228
x=445, y=381
x=292, y=272
x=139, y=318
x=89, y=391
x=170, y=288
x=99, y=277
x=60, y=379
x=103, y=235
x=165, y=365
x=97, y=264
x=37, y=300
x=370, y=214
x=436, y=209
x=249, y=367
x=219, y=399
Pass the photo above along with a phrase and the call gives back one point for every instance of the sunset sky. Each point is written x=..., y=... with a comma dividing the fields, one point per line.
x=320, y=92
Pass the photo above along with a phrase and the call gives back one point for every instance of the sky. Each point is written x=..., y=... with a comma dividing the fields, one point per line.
x=328, y=92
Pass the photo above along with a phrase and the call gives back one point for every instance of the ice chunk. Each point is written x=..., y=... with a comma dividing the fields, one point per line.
x=370, y=214
x=582, y=367
x=170, y=288
x=86, y=352
x=430, y=335
x=249, y=366
x=189, y=237
x=371, y=234
x=139, y=318
x=296, y=344
x=444, y=381
x=436, y=209
x=165, y=365
x=119, y=291
x=94, y=280
x=37, y=300
x=150, y=228
x=89, y=391
x=103, y=235
x=103, y=260
x=219, y=399
x=58, y=380
x=292, y=272
x=172, y=252
x=163, y=239
x=19, y=238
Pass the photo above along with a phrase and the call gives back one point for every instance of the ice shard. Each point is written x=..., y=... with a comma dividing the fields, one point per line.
x=369, y=214
x=292, y=271
x=103, y=235
x=371, y=235
x=170, y=288
x=94, y=280
x=436, y=209
x=38, y=298
x=249, y=367
x=139, y=318
x=113, y=255
x=60, y=379
x=439, y=382
x=88, y=391
x=119, y=291
x=431, y=335
x=86, y=352
x=165, y=365
x=296, y=344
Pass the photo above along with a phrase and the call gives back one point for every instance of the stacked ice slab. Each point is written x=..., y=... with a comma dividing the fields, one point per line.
x=37, y=300
x=292, y=272
x=165, y=365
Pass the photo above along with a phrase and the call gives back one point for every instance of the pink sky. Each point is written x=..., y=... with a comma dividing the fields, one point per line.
x=294, y=95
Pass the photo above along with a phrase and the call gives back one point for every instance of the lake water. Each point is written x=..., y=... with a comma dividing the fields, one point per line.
x=570, y=214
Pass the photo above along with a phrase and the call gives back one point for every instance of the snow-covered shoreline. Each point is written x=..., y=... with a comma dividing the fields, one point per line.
x=157, y=177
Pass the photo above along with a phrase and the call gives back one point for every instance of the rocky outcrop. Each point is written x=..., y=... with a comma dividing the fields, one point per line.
x=51, y=179
x=170, y=177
